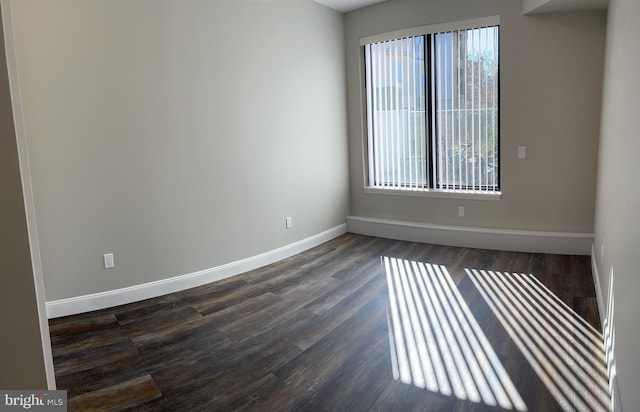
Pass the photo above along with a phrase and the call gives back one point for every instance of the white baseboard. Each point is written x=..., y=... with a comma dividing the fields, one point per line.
x=483, y=238
x=102, y=300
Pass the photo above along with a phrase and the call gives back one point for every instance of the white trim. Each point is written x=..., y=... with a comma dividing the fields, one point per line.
x=102, y=300
x=596, y=284
x=431, y=28
x=25, y=175
x=483, y=238
x=437, y=193
x=616, y=405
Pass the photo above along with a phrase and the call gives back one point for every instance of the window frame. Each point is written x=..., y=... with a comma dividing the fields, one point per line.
x=428, y=31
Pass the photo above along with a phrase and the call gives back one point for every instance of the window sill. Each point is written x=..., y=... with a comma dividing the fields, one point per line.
x=435, y=193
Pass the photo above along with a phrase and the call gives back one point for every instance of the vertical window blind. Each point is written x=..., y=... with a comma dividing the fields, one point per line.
x=432, y=111
x=397, y=113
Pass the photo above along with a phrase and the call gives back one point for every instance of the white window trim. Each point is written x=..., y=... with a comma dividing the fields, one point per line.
x=431, y=28
x=418, y=31
x=436, y=193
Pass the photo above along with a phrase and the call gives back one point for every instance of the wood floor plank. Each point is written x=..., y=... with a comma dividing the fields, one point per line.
x=118, y=397
x=268, y=352
x=336, y=293
x=149, y=309
x=100, y=377
x=94, y=357
x=256, y=323
x=299, y=294
x=66, y=327
x=213, y=303
x=173, y=337
x=78, y=343
x=218, y=395
x=240, y=311
x=211, y=290
x=162, y=320
x=373, y=290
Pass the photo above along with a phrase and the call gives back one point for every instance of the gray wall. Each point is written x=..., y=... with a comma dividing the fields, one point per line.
x=617, y=228
x=178, y=135
x=21, y=358
x=551, y=77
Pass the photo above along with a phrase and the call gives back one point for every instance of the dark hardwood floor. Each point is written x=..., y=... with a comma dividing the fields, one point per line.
x=356, y=324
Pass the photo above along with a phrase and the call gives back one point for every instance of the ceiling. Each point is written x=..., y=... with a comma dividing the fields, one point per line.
x=529, y=6
x=554, y=6
x=347, y=5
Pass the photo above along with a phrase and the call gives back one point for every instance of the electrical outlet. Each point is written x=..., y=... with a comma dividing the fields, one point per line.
x=289, y=222
x=461, y=211
x=108, y=261
x=522, y=152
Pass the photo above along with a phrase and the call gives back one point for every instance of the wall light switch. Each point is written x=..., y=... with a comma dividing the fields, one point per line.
x=289, y=222
x=108, y=261
x=461, y=211
x=522, y=152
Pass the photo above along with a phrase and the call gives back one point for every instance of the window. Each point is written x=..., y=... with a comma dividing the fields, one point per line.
x=432, y=110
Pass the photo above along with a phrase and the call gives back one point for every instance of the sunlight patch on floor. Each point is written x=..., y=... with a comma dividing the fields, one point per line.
x=435, y=341
x=564, y=350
